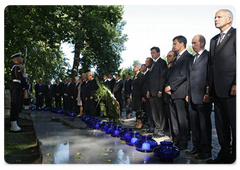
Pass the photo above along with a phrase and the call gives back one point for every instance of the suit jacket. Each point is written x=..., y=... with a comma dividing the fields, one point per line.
x=57, y=89
x=146, y=84
x=157, y=77
x=177, y=79
x=197, y=78
x=107, y=84
x=69, y=89
x=64, y=89
x=117, y=90
x=112, y=83
x=91, y=88
x=83, y=90
x=222, y=64
x=128, y=88
x=39, y=89
x=75, y=90
x=49, y=91
x=137, y=85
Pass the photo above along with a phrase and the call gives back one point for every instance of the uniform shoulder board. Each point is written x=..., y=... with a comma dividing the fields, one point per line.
x=15, y=65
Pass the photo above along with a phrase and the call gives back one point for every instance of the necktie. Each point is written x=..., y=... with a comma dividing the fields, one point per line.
x=221, y=38
x=195, y=58
x=75, y=87
x=178, y=56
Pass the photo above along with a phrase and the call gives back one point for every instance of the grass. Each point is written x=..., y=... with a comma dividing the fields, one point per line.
x=20, y=148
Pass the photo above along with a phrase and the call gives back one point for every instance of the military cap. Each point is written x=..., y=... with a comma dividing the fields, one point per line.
x=16, y=55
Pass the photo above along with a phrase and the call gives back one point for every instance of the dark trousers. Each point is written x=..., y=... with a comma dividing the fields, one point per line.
x=48, y=102
x=128, y=106
x=65, y=102
x=16, y=95
x=148, y=109
x=58, y=101
x=200, y=121
x=91, y=104
x=179, y=120
x=158, y=114
x=69, y=103
x=120, y=103
x=39, y=101
x=225, y=120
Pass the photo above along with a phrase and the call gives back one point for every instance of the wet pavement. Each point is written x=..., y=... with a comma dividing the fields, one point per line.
x=61, y=144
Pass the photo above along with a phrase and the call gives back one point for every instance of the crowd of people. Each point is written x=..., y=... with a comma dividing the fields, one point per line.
x=177, y=94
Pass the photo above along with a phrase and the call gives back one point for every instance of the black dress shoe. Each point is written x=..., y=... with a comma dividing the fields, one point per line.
x=150, y=130
x=218, y=160
x=158, y=135
x=182, y=147
x=203, y=155
x=192, y=152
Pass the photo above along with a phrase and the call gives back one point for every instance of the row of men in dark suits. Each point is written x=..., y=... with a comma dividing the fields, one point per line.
x=190, y=84
x=67, y=90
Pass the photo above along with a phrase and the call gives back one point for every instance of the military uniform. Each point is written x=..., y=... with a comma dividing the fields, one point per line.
x=16, y=90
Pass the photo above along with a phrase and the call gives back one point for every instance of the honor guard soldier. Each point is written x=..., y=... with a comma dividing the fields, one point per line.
x=16, y=90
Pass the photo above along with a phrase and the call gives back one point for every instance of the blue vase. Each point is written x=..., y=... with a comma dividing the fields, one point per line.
x=101, y=126
x=123, y=132
x=166, y=151
x=33, y=108
x=116, y=132
x=146, y=144
x=132, y=138
x=111, y=129
x=71, y=114
x=106, y=127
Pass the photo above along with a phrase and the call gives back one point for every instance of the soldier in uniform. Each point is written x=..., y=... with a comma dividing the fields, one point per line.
x=16, y=90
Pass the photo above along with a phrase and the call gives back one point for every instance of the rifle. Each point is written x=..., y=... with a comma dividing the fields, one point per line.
x=25, y=75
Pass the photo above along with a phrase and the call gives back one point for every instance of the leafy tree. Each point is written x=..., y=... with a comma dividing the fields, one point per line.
x=129, y=69
x=190, y=50
x=95, y=32
x=37, y=28
x=98, y=40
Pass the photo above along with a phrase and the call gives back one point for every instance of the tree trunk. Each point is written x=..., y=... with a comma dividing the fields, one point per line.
x=77, y=50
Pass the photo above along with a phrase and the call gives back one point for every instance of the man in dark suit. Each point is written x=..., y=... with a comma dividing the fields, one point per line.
x=105, y=81
x=64, y=94
x=57, y=93
x=155, y=91
x=39, y=90
x=112, y=81
x=49, y=94
x=69, y=94
x=199, y=105
x=222, y=85
x=127, y=92
x=171, y=56
x=176, y=87
x=117, y=90
x=146, y=101
x=76, y=108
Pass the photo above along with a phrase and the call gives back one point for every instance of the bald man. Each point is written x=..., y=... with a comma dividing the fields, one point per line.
x=199, y=104
x=222, y=85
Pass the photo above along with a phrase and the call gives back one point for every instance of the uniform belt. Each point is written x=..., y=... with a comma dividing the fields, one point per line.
x=17, y=81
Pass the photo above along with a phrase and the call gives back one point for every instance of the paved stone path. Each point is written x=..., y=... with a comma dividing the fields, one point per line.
x=63, y=145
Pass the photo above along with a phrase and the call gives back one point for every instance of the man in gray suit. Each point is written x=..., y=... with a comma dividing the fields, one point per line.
x=222, y=85
x=176, y=87
x=155, y=91
x=199, y=104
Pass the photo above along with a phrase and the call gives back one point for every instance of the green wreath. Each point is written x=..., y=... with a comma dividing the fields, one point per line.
x=108, y=103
